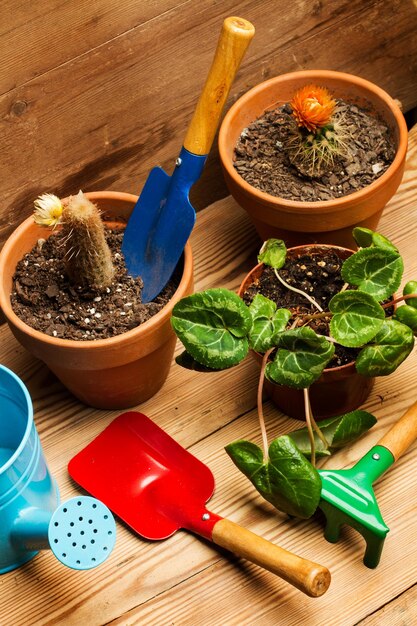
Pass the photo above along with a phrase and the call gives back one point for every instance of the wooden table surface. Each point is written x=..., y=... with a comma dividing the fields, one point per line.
x=185, y=580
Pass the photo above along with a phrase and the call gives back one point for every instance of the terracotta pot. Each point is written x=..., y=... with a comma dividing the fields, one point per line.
x=337, y=391
x=330, y=221
x=113, y=373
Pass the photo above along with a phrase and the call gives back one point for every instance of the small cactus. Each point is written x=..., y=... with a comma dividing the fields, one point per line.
x=87, y=256
x=319, y=133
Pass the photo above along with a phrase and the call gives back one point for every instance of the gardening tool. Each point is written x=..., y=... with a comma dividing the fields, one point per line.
x=163, y=217
x=157, y=487
x=347, y=496
x=80, y=532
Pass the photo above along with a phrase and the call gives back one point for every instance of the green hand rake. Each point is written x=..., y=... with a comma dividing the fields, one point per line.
x=347, y=496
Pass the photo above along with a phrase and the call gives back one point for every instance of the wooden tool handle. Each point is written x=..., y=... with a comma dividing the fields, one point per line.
x=404, y=432
x=308, y=577
x=234, y=40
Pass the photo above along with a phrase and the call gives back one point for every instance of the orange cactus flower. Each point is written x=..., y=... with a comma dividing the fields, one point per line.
x=312, y=107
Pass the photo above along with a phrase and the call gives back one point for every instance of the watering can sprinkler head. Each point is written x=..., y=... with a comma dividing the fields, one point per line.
x=81, y=532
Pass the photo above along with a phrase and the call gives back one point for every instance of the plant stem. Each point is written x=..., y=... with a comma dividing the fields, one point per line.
x=259, y=402
x=307, y=412
x=387, y=305
x=314, y=316
x=317, y=428
x=303, y=293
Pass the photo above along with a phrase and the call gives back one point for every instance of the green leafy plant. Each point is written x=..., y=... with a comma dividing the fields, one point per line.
x=218, y=329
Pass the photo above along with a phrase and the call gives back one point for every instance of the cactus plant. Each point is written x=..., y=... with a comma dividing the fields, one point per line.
x=87, y=256
x=319, y=132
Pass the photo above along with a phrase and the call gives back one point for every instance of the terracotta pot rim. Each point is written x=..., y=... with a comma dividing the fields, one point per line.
x=259, y=266
x=292, y=206
x=69, y=344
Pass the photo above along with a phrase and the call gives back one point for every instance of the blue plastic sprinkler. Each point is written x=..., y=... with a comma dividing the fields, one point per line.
x=80, y=532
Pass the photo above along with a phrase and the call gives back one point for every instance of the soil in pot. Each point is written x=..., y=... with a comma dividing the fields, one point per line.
x=316, y=273
x=261, y=157
x=45, y=300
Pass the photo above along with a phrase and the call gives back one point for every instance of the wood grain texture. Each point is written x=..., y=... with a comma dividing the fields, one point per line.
x=94, y=94
x=400, y=612
x=185, y=580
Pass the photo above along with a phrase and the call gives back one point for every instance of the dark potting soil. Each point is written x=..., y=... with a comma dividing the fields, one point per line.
x=45, y=300
x=262, y=160
x=317, y=274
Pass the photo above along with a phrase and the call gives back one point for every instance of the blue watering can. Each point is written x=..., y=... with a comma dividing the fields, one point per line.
x=80, y=532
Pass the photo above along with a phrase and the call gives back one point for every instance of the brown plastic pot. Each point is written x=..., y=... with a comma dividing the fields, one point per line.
x=338, y=390
x=113, y=373
x=329, y=221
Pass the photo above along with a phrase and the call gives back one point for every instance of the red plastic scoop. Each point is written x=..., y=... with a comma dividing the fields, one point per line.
x=157, y=487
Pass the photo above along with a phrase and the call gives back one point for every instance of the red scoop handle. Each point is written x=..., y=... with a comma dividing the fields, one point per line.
x=307, y=576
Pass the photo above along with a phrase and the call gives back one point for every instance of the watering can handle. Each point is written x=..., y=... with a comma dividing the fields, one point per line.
x=310, y=578
x=404, y=432
x=235, y=37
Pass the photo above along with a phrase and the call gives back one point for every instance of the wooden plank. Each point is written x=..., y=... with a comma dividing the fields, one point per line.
x=400, y=612
x=37, y=37
x=102, y=117
x=187, y=581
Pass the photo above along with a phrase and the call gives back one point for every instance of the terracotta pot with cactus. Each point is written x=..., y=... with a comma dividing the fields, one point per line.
x=312, y=154
x=108, y=349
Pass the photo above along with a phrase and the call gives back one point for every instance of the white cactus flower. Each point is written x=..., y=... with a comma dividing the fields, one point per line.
x=48, y=210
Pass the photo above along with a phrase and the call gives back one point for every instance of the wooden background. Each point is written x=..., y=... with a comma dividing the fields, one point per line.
x=93, y=93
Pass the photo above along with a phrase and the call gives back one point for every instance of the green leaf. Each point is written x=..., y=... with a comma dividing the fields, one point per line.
x=390, y=346
x=410, y=288
x=287, y=480
x=362, y=236
x=357, y=317
x=407, y=315
x=338, y=431
x=273, y=253
x=267, y=322
x=300, y=359
x=365, y=238
x=376, y=271
x=213, y=326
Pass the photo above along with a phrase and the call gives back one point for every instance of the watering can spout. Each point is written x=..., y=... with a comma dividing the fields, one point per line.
x=30, y=530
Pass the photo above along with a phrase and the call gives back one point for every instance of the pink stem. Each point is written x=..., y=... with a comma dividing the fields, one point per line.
x=259, y=400
x=399, y=299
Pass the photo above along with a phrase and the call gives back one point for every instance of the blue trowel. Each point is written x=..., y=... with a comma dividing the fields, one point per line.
x=163, y=217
